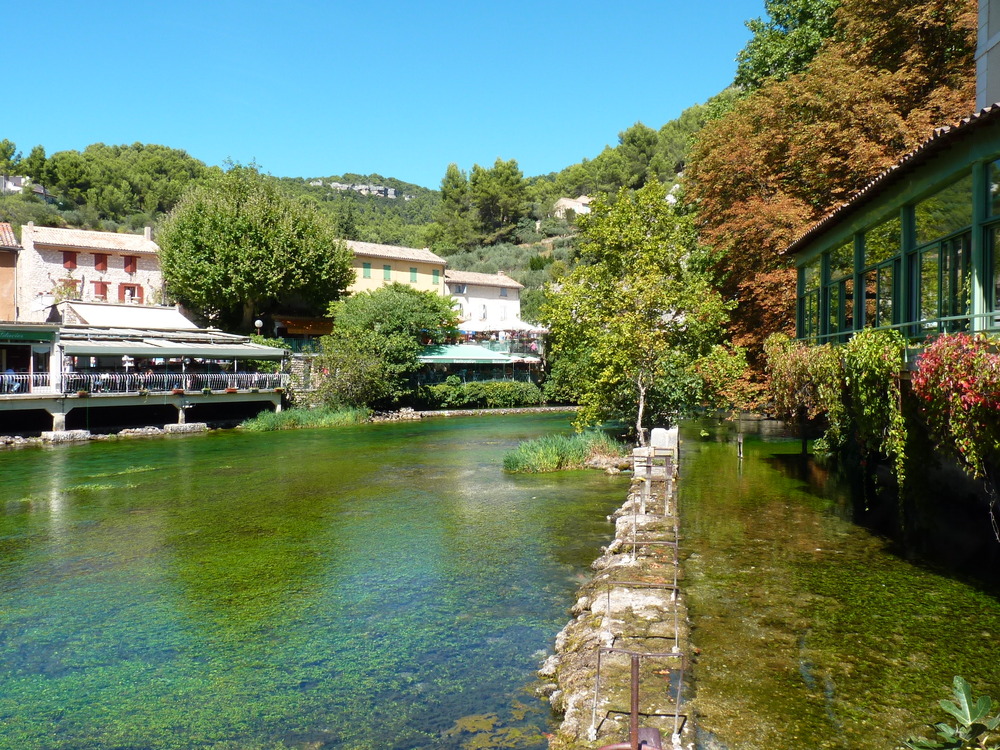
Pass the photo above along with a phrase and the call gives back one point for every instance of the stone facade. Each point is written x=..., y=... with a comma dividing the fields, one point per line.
x=59, y=264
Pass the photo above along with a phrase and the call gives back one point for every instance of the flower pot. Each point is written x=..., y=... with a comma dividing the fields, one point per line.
x=231, y=390
x=206, y=391
x=178, y=391
x=82, y=394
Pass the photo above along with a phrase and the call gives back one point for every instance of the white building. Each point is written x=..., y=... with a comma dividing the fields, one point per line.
x=77, y=264
x=487, y=302
x=577, y=206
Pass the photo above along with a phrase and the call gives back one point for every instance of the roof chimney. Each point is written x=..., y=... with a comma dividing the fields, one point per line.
x=147, y=232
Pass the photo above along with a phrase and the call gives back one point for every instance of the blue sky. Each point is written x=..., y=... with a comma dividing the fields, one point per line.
x=312, y=88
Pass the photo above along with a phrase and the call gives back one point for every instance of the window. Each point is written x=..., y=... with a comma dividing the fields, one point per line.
x=130, y=293
x=882, y=245
x=503, y=291
x=69, y=259
x=413, y=275
x=131, y=263
x=840, y=290
x=435, y=277
x=946, y=212
x=100, y=261
x=458, y=288
x=101, y=290
x=809, y=276
x=366, y=270
x=387, y=272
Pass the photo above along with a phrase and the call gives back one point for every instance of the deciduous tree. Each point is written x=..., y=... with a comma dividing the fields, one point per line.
x=237, y=246
x=377, y=337
x=630, y=323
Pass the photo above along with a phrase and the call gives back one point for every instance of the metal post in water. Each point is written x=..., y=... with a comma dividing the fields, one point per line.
x=633, y=729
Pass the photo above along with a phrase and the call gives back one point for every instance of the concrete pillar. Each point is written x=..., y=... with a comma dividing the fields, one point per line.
x=277, y=406
x=181, y=419
x=58, y=421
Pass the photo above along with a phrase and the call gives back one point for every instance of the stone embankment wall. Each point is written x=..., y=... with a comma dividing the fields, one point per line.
x=632, y=607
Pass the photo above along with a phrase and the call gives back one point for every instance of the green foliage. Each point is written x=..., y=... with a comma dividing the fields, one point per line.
x=238, y=246
x=635, y=316
x=557, y=452
x=974, y=728
x=10, y=158
x=490, y=394
x=119, y=182
x=292, y=419
x=786, y=42
x=725, y=384
x=372, y=353
x=873, y=360
x=808, y=381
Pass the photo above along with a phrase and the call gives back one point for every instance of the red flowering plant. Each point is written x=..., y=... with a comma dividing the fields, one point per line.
x=958, y=384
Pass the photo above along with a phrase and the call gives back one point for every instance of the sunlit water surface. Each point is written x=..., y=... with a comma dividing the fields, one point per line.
x=813, y=633
x=381, y=586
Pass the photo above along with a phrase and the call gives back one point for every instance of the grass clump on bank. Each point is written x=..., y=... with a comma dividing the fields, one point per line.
x=557, y=452
x=292, y=419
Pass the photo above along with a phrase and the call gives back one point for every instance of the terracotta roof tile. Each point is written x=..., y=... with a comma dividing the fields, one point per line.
x=7, y=236
x=371, y=249
x=482, y=279
x=89, y=240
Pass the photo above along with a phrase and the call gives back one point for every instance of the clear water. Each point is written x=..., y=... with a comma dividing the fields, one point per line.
x=813, y=634
x=382, y=586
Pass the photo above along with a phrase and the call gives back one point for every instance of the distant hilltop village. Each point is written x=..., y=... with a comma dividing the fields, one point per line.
x=380, y=190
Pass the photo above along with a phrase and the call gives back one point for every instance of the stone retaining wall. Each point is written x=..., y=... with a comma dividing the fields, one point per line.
x=633, y=605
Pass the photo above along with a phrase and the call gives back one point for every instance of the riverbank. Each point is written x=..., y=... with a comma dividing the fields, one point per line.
x=632, y=609
x=401, y=415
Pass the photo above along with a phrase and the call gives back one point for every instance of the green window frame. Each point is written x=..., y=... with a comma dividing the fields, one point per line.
x=413, y=275
x=882, y=248
x=808, y=303
x=436, y=277
x=366, y=270
x=387, y=272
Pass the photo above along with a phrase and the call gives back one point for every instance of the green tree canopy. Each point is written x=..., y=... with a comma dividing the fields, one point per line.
x=631, y=322
x=238, y=246
x=454, y=218
x=786, y=42
x=500, y=197
x=377, y=337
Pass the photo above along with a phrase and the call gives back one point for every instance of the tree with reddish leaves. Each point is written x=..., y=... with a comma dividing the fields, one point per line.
x=792, y=150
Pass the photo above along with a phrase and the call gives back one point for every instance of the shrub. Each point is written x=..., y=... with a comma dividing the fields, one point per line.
x=491, y=394
x=292, y=419
x=556, y=452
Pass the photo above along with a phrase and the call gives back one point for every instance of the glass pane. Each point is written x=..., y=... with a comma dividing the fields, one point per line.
x=885, y=289
x=848, y=286
x=834, y=308
x=994, y=242
x=945, y=212
x=994, y=178
x=811, y=272
x=929, y=288
x=883, y=241
x=871, y=293
x=842, y=261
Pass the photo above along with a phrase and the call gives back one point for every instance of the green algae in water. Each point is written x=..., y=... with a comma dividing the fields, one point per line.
x=812, y=634
x=364, y=587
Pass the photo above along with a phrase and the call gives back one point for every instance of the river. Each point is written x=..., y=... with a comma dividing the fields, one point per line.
x=388, y=586
x=813, y=632
x=380, y=586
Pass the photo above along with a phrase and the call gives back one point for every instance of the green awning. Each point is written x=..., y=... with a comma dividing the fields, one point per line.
x=26, y=334
x=463, y=354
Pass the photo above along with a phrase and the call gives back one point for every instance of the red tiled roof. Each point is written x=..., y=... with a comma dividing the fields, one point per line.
x=89, y=240
x=481, y=279
x=942, y=138
x=7, y=236
x=392, y=252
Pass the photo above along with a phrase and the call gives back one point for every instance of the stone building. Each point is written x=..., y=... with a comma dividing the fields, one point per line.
x=377, y=265
x=59, y=264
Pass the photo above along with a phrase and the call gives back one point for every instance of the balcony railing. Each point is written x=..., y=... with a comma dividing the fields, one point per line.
x=165, y=382
x=23, y=382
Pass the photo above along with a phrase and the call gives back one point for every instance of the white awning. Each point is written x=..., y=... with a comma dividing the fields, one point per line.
x=165, y=348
